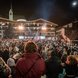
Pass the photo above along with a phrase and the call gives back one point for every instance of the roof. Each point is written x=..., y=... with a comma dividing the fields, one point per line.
x=44, y=21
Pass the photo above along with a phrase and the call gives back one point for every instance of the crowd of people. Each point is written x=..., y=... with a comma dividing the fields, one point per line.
x=35, y=58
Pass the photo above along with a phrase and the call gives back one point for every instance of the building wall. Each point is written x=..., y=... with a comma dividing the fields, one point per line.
x=1, y=32
x=72, y=31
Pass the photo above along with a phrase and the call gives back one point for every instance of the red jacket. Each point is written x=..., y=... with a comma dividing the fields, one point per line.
x=26, y=62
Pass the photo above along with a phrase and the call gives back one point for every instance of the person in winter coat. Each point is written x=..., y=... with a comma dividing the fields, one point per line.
x=31, y=65
x=71, y=67
x=5, y=71
x=53, y=66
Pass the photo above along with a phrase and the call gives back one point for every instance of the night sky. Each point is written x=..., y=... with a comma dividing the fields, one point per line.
x=57, y=11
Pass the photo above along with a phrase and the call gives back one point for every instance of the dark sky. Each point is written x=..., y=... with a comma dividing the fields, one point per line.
x=57, y=11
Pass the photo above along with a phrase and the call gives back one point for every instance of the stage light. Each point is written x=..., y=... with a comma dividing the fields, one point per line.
x=20, y=27
x=44, y=27
x=21, y=37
